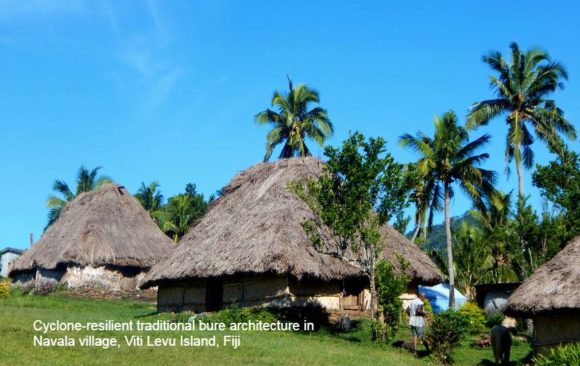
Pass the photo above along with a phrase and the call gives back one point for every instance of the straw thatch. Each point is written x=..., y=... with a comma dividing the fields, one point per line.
x=553, y=287
x=256, y=227
x=104, y=227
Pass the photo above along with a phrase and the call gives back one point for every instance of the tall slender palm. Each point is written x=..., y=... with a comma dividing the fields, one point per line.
x=150, y=197
x=522, y=88
x=449, y=159
x=87, y=180
x=293, y=121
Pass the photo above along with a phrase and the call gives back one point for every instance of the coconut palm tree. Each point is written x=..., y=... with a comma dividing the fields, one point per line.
x=293, y=121
x=87, y=180
x=427, y=199
x=522, y=87
x=450, y=159
x=150, y=197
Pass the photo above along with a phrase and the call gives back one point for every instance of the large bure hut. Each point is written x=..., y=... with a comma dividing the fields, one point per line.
x=103, y=238
x=251, y=249
x=551, y=297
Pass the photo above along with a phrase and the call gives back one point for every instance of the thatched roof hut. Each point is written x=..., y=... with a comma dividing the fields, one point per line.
x=106, y=227
x=550, y=296
x=553, y=287
x=256, y=228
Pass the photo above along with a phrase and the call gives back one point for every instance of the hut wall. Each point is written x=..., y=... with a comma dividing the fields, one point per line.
x=326, y=294
x=553, y=330
x=251, y=289
x=181, y=296
x=255, y=290
x=85, y=276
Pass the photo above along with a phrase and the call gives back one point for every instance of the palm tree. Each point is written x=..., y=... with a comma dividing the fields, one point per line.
x=449, y=158
x=473, y=259
x=293, y=121
x=522, y=88
x=427, y=199
x=150, y=197
x=181, y=211
x=87, y=180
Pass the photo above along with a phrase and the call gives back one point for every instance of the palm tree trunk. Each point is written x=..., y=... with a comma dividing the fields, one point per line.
x=416, y=232
x=449, y=250
x=520, y=174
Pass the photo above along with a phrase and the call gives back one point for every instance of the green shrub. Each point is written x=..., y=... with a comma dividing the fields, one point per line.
x=238, y=314
x=493, y=319
x=390, y=286
x=474, y=315
x=560, y=356
x=446, y=331
x=4, y=288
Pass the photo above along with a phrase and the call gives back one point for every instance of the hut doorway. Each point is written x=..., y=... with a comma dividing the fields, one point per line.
x=352, y=295
x=214, y=293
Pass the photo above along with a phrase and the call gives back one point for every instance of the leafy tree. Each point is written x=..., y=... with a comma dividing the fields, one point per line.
x=150, y=197
x=363, y=188
x=559, y=184
x=449, y=159
x=87, y=180
x=293, y=121
x=522, y=88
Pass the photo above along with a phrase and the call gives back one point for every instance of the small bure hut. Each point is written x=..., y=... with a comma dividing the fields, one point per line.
x=251, y=249
x=551, y=297
x=103, y=238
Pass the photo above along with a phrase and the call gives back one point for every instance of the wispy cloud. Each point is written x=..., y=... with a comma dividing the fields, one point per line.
x=148, y=52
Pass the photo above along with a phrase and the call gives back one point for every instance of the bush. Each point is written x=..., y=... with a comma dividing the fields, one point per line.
x=238, y=314
x=390, y=286
x=493, y=319
x=560, y=356
x=446, y=331
x=474, y=315
x=44, y=287
x=4, y=288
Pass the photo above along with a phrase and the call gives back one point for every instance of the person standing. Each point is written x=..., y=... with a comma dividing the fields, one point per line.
x=417, y=321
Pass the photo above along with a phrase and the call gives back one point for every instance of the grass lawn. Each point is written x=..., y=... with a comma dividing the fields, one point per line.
x=18, y=312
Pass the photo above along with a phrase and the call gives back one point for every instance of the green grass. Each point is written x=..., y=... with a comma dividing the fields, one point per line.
x=18, y=312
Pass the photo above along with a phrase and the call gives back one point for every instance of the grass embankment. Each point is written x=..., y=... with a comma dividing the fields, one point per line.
x=18, y=312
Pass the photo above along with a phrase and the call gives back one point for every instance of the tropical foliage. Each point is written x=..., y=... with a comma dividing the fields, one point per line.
x=293, y=121
x=87, y=180
x=177, y=215
x=363, y=189
x=150, y=197
x=522, y=87
x=450, y=159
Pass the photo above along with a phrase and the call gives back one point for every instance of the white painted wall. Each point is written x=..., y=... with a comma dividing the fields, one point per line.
x=5, y=260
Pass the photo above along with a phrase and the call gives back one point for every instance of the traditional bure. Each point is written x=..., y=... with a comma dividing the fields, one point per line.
x=103, y=238
x=251, y=249
x=551, y=297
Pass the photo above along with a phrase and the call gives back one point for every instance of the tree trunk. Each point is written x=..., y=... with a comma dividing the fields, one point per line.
x=416, y=232
x=373, y=303
x=520, y=174
x=449, y=250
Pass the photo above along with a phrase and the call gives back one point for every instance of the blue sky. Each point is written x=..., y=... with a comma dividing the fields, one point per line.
x=167, y=90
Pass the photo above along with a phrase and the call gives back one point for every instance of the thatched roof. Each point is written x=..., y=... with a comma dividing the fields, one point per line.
x=107, y=226
x=553, y=287
x=256, y=227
